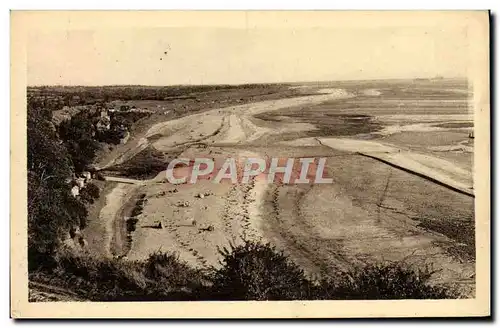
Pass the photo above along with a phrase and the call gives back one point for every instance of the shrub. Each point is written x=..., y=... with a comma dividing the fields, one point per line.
x=89, y=193
x=99, y=176
x=93, y=190
x=173, y=279
x=137, y=210
x=250, y=271
x=161, y=277
x=254, y=271
x=139, y=207
x=101, y=279
x=393, y=280
x=131, y=223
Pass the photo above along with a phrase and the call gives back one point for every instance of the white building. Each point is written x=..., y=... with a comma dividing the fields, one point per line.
x=75, y=191
x=80, y=182
x=87, y=176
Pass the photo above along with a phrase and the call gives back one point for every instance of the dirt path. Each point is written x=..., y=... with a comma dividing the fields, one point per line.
x=115, y=200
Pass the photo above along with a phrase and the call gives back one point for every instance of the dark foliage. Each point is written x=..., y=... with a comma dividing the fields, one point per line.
x=251, y=271
x=161, y=277
x=57, y=97
x=131, y=223
x=120, y=123
x=254, y=271
x=167, y=276
x=126, y=119
x=90, y=193
x=47, y=158
x=394, y=280
x=99, y=279
x=77, y=134
x=93, y=190
x=99, y=176
x=144, y=165
x=51, y=208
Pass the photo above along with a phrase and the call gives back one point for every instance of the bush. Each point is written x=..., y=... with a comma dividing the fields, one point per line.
x=93, y=190
x=89, y=193
x=101, y=279
x=131, y=222
x=173, y=279
x=161, y=277
x=393, y=280
x=254, y=271
x=99, y=176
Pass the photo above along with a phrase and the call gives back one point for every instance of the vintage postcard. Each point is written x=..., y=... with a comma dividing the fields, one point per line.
x=250, y=164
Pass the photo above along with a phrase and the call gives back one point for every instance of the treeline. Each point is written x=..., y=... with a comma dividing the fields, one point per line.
x=59, y=96
x=250, y=271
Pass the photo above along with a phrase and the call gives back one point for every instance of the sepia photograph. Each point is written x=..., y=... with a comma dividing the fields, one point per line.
x=189, y=164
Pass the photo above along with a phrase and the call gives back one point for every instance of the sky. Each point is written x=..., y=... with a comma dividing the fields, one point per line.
x=166, y=56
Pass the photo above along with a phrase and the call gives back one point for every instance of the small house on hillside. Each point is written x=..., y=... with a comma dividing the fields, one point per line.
x=75, y=191
x=104, y=122
x=87, y=176
x=104, y=114
x=80, y=182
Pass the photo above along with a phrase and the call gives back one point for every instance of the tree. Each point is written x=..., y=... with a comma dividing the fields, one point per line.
x=52, y=210
x=89, y=193
x=46, y=156
x=77, y=136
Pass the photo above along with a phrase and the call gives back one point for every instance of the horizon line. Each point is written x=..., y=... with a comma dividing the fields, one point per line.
x=250, y=83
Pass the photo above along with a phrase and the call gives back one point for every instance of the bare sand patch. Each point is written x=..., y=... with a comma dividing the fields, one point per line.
x=353, y=145
x=371, y=92
x=368, y=215
x=304, y=142
x=231, y=124
x=426, y=118
x=197, y=218
x=424, y=164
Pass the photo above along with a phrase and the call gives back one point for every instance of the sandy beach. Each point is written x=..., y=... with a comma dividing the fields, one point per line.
x=322, y=227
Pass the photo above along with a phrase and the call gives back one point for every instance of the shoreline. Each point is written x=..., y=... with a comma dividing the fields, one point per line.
x=320, y=230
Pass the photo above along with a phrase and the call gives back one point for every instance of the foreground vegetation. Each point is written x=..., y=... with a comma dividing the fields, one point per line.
x=251, y=271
